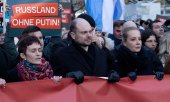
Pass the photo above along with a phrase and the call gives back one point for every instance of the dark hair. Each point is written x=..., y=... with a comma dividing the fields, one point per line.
x=146, y=34
x=88, y=18
x=142, y=21
x=26, y=41
x=151, y=24
x=126, y=30
x=30, y=29
x=118, y=23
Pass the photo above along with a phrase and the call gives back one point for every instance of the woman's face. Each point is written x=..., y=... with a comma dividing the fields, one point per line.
x=151, y=42
x=133, y=41
x=33, y=54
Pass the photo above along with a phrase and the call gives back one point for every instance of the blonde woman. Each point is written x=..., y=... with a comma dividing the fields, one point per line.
x=164, y=47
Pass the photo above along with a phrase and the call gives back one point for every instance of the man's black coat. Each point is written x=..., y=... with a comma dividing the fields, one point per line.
x=71, y=59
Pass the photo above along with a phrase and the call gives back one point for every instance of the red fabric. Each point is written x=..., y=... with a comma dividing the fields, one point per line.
x=144, y=89
x=42, y=71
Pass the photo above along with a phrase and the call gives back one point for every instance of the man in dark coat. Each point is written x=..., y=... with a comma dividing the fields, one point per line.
x=5, y=64
x=82, y=57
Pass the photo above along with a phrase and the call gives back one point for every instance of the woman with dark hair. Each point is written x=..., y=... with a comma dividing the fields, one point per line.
x=150, y=40
x=32, y=66
x=133, y=59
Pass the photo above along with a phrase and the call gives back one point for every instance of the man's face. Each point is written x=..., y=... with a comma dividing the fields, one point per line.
x=117, y=31
x=39, y=35
x=2, y=37
x=83, y=34
x=158, y=29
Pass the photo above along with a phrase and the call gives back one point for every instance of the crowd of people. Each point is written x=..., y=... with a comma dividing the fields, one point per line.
x=134, y=48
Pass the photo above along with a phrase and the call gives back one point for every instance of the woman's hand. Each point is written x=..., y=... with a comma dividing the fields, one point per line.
x=2, y=82
x=56, y=79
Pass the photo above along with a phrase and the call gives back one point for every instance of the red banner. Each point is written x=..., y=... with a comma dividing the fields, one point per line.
x=43, y=15
x=144, y=89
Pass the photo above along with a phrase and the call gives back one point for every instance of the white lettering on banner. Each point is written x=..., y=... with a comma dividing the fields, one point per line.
x=47, y=22
x=18, y=22
x=34, y=9
x=37, y=21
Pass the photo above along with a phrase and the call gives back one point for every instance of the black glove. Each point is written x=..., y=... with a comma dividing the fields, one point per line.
x=159, y=75
x=132, y=76
x=113, y=77
x=77, y=75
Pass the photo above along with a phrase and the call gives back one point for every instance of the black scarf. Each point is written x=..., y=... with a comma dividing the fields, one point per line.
x=130, y=61
x=89, y=55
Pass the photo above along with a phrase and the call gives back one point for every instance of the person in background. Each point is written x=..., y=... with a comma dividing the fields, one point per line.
x=8, y=57
x=128, y=24
x=157, y=28
x=64, y=33
x=33, y=31
x=150, y=40
x=5, y=64
x=140, y=24
x=98, y=33
x=32, y=65
x=133, y=59
x=117, y=32
x=164, y=47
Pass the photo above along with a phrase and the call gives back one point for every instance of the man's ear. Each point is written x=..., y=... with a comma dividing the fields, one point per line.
x=22, y=55
x=72, y=34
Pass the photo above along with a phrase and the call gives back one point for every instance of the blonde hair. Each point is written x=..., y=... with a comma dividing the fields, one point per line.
x=164, y=43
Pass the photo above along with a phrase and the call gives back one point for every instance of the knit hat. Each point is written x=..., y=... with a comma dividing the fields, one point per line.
x=88, y=18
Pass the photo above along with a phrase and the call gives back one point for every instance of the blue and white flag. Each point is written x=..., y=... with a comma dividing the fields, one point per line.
x=104, y=12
